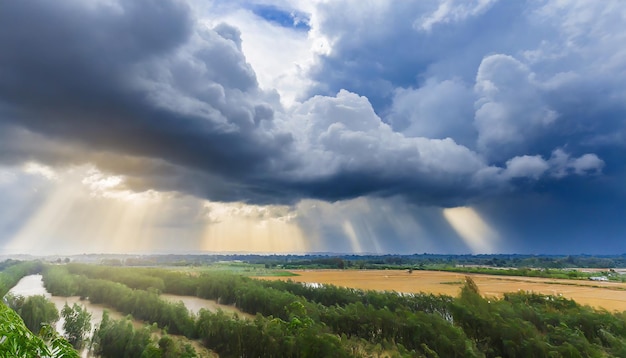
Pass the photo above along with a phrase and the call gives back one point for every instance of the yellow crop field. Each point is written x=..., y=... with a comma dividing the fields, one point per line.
x=607, y=295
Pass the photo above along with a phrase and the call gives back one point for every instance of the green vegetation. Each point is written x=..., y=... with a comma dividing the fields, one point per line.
x=294, y=320
x=18, y=341
x=37, y=315
x=118, y=338
x=241, y=268
x=77, y=324
x=37, y=311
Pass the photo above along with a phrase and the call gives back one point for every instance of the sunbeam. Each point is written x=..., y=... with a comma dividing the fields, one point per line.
x=40, y=231
x=86, y=211
x=348, y=230
x=474, y=231
x=247, y=228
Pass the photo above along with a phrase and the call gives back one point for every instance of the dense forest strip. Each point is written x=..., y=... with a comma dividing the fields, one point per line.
x=241, y=291
x=141, y=304
x=518, y=325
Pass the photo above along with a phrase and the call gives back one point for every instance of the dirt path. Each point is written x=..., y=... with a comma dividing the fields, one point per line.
x=608, y=295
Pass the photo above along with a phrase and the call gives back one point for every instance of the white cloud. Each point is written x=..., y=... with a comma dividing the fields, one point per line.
x=40, y=169
x=452, y=11
x=588, y=163
x=510, y=109
x=343, y=133
x=563, y=165
x=526, y=167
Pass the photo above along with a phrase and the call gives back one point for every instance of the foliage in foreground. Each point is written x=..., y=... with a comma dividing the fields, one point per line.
x=18, y=341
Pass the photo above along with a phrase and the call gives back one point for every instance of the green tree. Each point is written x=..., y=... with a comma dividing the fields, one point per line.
x=170, y=348
x=38, y=310
x=17, y=341
x=14, y=302
x=77, y=324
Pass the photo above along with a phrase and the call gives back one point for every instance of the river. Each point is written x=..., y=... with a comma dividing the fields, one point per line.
x=195, y=304
x=33, y=285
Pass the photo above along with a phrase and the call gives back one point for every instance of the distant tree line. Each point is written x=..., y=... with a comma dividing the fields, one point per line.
x=352, y=261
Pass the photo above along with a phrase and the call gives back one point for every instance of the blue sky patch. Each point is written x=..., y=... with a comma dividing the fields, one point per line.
x=285, y=18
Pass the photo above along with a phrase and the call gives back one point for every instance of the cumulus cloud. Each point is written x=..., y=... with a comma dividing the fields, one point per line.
x=509, y=108
x=564, y=165
x=343, y=140
x=525, y=166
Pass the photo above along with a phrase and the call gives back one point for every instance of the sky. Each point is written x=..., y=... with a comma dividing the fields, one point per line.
x=285, y=126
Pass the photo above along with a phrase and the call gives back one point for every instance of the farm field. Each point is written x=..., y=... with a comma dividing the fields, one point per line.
x=607, y=295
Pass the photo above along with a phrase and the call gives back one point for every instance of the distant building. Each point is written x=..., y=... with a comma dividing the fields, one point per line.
x=598, y=278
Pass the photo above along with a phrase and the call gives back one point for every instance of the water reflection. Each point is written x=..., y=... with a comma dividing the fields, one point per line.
x=31, y=285
x=195, y=304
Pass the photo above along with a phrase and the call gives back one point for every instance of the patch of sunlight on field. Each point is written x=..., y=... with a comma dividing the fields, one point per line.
x=607, y=295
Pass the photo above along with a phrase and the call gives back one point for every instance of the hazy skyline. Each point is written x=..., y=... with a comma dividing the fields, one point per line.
x=322, y=126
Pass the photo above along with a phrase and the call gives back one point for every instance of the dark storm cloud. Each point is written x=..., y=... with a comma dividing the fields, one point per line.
x=141, y=88
x=137, y=78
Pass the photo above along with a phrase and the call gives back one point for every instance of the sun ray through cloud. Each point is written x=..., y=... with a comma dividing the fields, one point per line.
x=475, y=232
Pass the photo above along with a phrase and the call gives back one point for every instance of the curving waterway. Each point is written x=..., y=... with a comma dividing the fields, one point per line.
x=195, y=304
x=32, y=285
